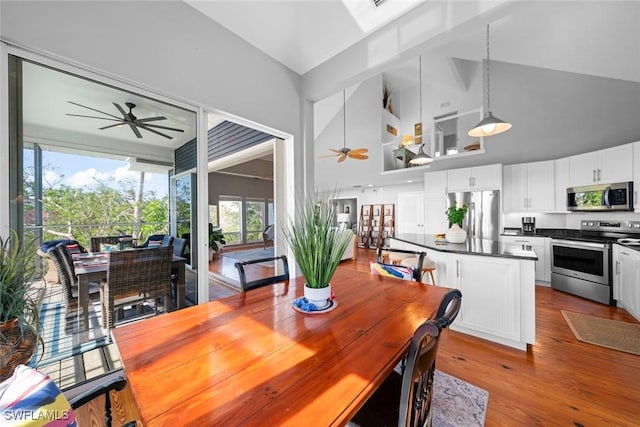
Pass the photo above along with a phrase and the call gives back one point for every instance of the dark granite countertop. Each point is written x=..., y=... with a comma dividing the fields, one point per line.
x=483, y=247
x=554, y=233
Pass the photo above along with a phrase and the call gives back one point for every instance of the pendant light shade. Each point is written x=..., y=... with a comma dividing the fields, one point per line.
x=489, y=125
x=421, y=158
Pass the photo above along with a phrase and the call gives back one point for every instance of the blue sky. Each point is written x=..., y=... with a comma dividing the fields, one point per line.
x=79, y=171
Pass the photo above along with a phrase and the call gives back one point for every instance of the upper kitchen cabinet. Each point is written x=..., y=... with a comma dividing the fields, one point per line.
x=529, y=187
x=602, y=167
x=562, y=183
x=487, y=177
x=435, y=184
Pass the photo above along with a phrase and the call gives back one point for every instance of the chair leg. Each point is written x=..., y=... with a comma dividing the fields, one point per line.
x=433, y=280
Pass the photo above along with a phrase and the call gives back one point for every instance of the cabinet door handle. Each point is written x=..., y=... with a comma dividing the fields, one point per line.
x=594, y=175
x=457, y=268
x=617, y=267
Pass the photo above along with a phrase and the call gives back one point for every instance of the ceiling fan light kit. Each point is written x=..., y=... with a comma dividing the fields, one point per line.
x=489, y=125
x=344, y=152
x=128, y=118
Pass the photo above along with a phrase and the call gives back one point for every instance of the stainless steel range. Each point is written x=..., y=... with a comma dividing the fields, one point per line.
x=581, y=260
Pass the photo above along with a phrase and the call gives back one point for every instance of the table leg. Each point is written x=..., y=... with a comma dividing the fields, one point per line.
x=180, y=288
x=83, y=299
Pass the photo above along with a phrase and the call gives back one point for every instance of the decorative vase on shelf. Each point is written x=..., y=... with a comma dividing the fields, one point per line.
x=319, y=297
x=455, y=234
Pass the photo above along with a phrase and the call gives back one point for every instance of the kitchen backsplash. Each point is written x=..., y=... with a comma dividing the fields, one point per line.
x=569, y=220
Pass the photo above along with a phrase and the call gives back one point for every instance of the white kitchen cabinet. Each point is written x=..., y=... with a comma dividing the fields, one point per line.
x=562, y=183
x=494, y=282
x=435, y=203
x=487, y=177
x=410, y=216
x=636, y=175
x=529, y=187
x=436, y=220
x=542, y=248
x=602, y=167
x=435, y=184
x=626, y=279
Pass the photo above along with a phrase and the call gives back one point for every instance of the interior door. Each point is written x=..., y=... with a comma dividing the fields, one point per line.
x=410, y=213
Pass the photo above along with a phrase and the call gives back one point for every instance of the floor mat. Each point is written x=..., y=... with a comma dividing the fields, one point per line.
x=614, y=334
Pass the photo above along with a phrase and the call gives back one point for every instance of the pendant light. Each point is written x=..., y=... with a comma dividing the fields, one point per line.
x=489, y=125
x=421, y=158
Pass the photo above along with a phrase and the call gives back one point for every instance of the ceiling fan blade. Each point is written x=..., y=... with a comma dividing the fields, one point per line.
x=342, y=157
x=135, y=130
x=152, y=119
x=359, y=151
x=111, y=126
x=124, y=113
x=358, y=156
x=94, y=117
x=335, y=151
x=145, y=127
x=330, y=155
x=93, y=109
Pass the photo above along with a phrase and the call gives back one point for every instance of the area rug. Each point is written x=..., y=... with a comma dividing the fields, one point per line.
x=457, y=403
x=62, y=338
x=252, y=254
x=614, y=334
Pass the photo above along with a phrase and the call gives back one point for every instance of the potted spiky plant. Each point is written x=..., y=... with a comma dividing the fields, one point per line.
x=19, y=322
x=318, y=246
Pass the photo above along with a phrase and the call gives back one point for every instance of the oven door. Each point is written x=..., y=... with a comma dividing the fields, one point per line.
x=582, y=260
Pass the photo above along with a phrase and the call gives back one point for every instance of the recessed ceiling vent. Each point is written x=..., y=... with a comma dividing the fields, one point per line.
x=378, y=3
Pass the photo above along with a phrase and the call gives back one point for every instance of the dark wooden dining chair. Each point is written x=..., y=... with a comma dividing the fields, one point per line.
x=90, y=390
x=133, y=277
x=448, y=309
x=262, y=281
x=405, y=400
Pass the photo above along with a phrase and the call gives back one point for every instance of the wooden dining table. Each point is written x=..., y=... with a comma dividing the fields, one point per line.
x=252, y=360
x=92, y=267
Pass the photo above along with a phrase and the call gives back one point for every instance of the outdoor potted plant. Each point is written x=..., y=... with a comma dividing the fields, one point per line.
x=455, y=233
x=216, y=240
x=318, y=246
x=19, y=322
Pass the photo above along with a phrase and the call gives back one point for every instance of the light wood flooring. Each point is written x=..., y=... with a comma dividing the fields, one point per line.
x=558, y=381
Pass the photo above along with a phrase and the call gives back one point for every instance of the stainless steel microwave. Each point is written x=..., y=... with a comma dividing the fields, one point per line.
x=602, y=197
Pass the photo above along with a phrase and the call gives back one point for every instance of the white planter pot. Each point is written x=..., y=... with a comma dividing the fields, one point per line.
x=318, y=296
x=456, y=234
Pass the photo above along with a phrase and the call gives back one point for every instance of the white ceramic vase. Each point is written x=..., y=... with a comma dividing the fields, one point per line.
x=455, y=234
x=318, y=296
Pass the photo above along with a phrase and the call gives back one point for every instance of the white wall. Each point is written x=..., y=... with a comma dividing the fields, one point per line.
x=166, y=45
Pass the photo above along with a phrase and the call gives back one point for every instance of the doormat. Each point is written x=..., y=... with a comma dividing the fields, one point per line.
x=457, y=402
x=62, y=338
x=614, y=334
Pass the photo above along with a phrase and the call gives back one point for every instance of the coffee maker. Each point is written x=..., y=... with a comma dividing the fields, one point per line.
x=528, y=224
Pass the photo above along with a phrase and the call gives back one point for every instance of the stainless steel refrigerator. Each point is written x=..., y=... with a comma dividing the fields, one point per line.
x=482, y=220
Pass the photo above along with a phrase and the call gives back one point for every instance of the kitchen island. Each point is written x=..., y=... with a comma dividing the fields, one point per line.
x=497, y=281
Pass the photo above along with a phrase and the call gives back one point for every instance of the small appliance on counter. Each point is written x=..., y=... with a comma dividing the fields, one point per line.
x=528, y=224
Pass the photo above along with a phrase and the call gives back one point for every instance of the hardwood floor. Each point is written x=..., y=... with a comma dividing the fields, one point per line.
x=558, y=381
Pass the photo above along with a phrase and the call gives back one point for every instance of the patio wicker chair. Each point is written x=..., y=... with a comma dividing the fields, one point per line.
x=133, y=277
x=69, y=288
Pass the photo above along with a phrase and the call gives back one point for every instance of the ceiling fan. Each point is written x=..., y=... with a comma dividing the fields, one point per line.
x=344, y=152
x=128, y=119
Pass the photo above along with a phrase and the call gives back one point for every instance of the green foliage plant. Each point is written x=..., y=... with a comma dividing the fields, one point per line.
x=215, y=237
x=318, y=245
x=17, y=272
x=456, y=215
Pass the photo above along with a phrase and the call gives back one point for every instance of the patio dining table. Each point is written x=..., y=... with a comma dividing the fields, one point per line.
x=253, y=360
x=92, y=267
